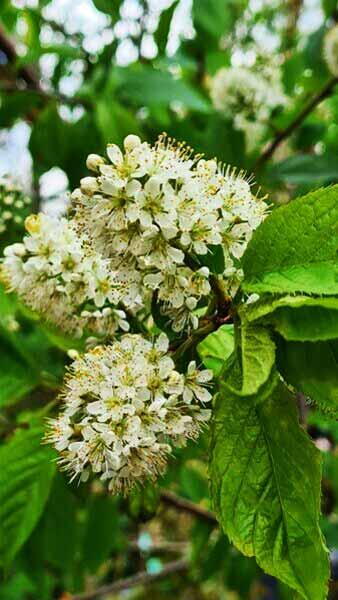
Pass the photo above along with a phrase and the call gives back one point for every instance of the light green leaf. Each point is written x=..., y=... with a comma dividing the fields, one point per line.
x=312, y=368
x=295, y=248
x=26, y=472
x=265, y=475
x=258, y=357
x=298, y=318
x=216, y=348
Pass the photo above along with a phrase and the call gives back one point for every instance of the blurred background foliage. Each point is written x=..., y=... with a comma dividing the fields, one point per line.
x=73, y=77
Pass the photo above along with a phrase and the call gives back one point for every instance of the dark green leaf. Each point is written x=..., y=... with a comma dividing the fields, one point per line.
x=305, y=169
x=162, y=32
x=214, y=259
x=312, y=368
x=101, y=533
x=59, y=525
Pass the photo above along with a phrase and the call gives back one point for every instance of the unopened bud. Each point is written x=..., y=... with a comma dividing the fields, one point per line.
x=191, y=303
x=204, y=271
x=89, y=185
x=94, y=161
x=33, y=224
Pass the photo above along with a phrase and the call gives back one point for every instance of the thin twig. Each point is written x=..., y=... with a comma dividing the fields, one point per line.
x=26, y=72
x=285, y=133
x=142, y=578
x=185, y=505
x=197, y=336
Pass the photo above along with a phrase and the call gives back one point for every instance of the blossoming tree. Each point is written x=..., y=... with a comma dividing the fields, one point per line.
x=174, y=324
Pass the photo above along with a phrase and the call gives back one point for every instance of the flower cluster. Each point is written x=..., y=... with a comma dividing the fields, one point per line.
x=125, y=406
x=14, y=205
x=139, y=231
x=57, y=273
x=159, y=211
x=331, y=50
x=247, y=96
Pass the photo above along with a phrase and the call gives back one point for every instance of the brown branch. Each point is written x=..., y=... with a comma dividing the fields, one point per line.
x=185, y=505
x=47, y=96
x=26, y=72
x=142, y=578
x=285, y=133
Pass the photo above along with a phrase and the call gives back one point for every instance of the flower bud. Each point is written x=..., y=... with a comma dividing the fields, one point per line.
x=33, y=224
x=191, y=303
x=89, y=185
x=94, y=161
x=204, y=271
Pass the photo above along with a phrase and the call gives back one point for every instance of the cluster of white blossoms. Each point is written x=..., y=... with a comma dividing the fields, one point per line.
x=158, y=211
x=13, y=205
x=248, y=96
x=125, y=407
x=331, y=50
x=139, y=231
x=57, y=273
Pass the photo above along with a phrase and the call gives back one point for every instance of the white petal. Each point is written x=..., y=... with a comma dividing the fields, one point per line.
x=114, y=154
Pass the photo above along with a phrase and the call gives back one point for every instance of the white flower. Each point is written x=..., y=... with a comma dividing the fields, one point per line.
x=195, y=381
x=124, y=408
x=56, y=271
x=147, y=213
x=248, y=95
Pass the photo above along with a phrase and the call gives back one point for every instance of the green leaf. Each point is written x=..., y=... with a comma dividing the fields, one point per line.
x=114, y=121
x=162, y=32
x=305, y=169
x=258, y=357
x=101, y=533
x=297, y=318
x=110, y=7
x=265, y=475
x=295, y=248
x=216, y=348
x=214, y=259
x=312, y=368
x=213, y=17
x=59, y=525
x=70, y=140
x=27, y=470
x=16, y=379
x=138, y=87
